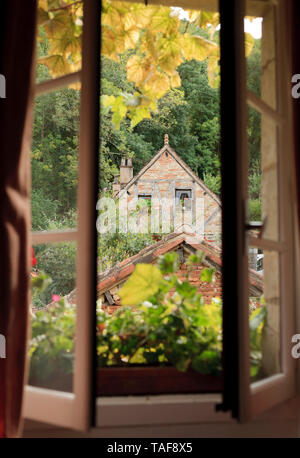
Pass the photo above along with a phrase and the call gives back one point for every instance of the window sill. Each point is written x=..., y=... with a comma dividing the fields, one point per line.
x=158, y=410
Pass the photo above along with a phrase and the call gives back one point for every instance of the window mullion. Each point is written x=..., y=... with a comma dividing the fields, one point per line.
x=87, y=234
x=57, y=83
x=40, y=237
x=267, y=244
x=263, y=108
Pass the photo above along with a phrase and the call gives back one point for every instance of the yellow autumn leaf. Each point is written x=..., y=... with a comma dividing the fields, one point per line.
x=213, y=70
x=141, y=16
x=196, y=47
x=170, y=308
x=162, y=21
x=169, y=52
x=42, y=16
x=118, y=105
x=138, y=114
x=107, y=100
x=119, y=110
x=112, y=17
x=43, y=4
x=204, y=18
x=57, y=64
x=131, y=38
x=138, y=69
x=58, y=24
x=158, y=82
x=76, y=86
x=175, y=80
x=108, y=47
x=249, y=43
x=66, y=44
x=143, y=283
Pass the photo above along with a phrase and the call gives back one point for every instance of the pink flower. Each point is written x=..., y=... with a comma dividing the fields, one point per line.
x=55, y=297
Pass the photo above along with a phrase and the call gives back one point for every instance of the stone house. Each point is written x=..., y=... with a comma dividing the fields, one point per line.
x=179, y=199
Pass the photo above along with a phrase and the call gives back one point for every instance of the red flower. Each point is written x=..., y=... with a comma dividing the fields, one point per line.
x=55, y=297
x=33, y=258
x=101, y=326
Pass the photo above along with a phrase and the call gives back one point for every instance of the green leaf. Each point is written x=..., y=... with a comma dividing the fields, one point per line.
x=196, y=258
x=257, y=317
x=119, y=109
x=41, y=281
x=207, y=274
x=186, y=290
x=143, y=283
x=107, y=100
x=168, y=263
x=140, y=113
x=208, y=362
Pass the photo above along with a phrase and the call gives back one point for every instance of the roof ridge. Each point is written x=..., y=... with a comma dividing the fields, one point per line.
x=181, y=162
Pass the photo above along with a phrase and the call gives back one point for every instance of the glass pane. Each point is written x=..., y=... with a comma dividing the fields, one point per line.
x=53, y=312
x=264, y=309
x=263, y=197
x=54, y=160
x=260, y=44
x=262, y=131
x=253, y=29
x=58, y=39
x=159, y=194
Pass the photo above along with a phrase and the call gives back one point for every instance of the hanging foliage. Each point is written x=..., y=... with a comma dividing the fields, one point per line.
x=158, y=39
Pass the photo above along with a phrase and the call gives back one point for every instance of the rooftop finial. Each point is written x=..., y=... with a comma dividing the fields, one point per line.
x=166, y=140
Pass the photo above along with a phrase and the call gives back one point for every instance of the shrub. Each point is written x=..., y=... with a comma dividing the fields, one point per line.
x=115, y=247
x=43, y=210
x=213, y=182
x=52, y=342
x=58, y=260
x=255, y=210
x=255, y=185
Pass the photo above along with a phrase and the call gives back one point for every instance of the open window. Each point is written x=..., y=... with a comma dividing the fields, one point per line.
x=263, y=216
x=74, y=241
x=270, y=235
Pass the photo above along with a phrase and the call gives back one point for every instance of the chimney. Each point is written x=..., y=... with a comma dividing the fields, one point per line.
x=126, y=171
x=116, y=185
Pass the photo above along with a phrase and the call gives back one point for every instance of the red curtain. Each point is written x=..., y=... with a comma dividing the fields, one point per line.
x=17, y=35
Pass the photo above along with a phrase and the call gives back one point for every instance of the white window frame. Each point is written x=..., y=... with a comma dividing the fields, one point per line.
x=277, y=388
x=73, y=410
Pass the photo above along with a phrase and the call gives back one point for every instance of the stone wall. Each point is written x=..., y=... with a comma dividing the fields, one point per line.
x=160, y=181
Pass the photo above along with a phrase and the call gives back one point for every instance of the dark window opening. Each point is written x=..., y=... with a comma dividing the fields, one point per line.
x=183, y=198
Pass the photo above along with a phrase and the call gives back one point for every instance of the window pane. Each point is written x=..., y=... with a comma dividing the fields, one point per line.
x=58, y=39
x=260, y=39
x=54, y=160
x=53, y=316
x=264, y=309
x=159, y=193
x=263, y=189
